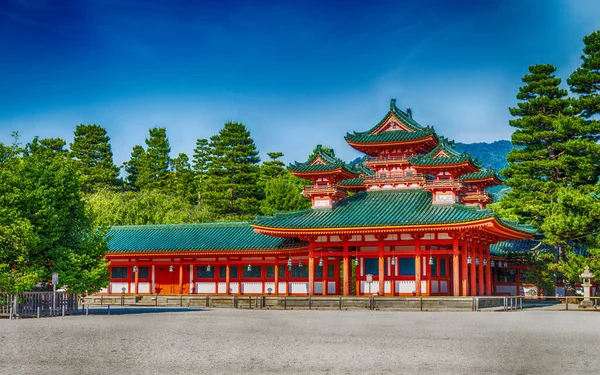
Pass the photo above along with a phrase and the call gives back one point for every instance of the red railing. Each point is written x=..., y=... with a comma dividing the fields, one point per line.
x=415, y=177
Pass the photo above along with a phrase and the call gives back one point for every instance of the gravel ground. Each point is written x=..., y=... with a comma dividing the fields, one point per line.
x=227, y=341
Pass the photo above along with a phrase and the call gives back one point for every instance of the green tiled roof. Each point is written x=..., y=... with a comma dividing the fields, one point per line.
x=192, y=237
x=388, y=136
x=331, y=163
x=482, y=173
x=505, y=248
x=381, y=208
x=352, y=182
x=454, y=157
x=417, y=131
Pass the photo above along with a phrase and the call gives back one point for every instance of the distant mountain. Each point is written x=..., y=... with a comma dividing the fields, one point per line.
x=489, y=154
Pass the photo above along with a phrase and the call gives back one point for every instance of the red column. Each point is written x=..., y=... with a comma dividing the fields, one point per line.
x=276, y=278
x=393, y=276
x=227, y=278
x=324, y=272
x=346, y=271
x=455, y=267
x=418, y=266
x=465, y=269
x=381, y=269
x=180, y=278
x=481, y=285
x=473, y=269
x=488, y=272
x=137, y=273
x=311, y=268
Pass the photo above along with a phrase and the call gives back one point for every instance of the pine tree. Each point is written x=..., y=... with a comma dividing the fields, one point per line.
x=585, y=81
x=231, y=185
x=533, y=170
x=272, y=168
x=201, y=161
x=133, y=167
x=92, y=150
x=155, y=161
x=181, y=179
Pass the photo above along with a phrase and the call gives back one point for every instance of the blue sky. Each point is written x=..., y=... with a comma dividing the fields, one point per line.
x=295, y=73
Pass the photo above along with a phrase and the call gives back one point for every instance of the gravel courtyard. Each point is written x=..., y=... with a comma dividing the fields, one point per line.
x=231, y=341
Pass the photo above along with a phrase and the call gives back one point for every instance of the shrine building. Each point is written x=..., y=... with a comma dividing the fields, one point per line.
x=410, y=221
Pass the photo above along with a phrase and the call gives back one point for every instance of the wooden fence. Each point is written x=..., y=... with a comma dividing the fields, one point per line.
x=37, y=304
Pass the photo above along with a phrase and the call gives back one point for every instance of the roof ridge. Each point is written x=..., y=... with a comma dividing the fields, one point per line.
x=181, y=225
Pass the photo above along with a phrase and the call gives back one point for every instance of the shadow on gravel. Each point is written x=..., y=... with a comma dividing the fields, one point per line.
x=140, y=310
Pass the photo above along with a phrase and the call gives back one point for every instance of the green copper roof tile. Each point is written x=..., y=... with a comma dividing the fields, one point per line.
x=192, y=237
x=454, y=157
x=358, y=181
x=416, y=130
x=381, y=208
x=483, y=173
x=388, y=136
x=363, y=169
x=331, y=163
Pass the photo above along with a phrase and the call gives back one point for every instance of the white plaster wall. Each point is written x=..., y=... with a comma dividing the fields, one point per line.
x=405, y=286
x=116, y=287
x=434, y=286
x=234, y=288
x=318, y=289
x=252, y=287
x=205, y=288
x=298, y=287
x=282, y=287
x=269, y=287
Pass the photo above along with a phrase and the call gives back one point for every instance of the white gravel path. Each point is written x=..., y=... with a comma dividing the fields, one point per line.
x=228, y=341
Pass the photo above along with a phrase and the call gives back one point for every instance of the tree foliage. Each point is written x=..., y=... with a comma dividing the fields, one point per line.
x=44, y=225
x=91, y=149
x=283, y=194
x=231, y=187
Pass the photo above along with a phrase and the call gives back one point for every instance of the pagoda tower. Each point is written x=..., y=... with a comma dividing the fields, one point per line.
x=325, y=171
x=402, y=154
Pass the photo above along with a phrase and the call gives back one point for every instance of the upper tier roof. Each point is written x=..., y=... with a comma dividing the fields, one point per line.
x=482, y=174
x=387, y=209
x=192, y=238
x=322, y=161
x=442, y=154
x=413, y=130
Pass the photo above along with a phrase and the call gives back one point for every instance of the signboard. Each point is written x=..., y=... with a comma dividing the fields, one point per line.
x=369, y=278
x=54, y=278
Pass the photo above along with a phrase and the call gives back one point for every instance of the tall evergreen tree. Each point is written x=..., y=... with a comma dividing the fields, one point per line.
x=181, y=179
x=585, y=81
x=272, y=168
x=201, y=161
x=231, y=186
x=133, y=167
x=155, y=162
x=91, y=148
x=533, y=169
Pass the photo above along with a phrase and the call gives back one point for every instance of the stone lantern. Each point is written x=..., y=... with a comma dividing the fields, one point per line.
x=586, y=277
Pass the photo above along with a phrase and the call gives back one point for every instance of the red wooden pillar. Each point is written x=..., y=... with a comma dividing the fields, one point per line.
x=276, y=278
x=181, y=278
x=381, y=268
x=473, y=269
x=324, y=272
x=311, y=268
x=455, y=267
x=488, y=272
x=465, y=269
x=481, y=285
x=227, y=278
x=393, y=275
x=137, y=273
x=418, y=266
x=346, y=271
